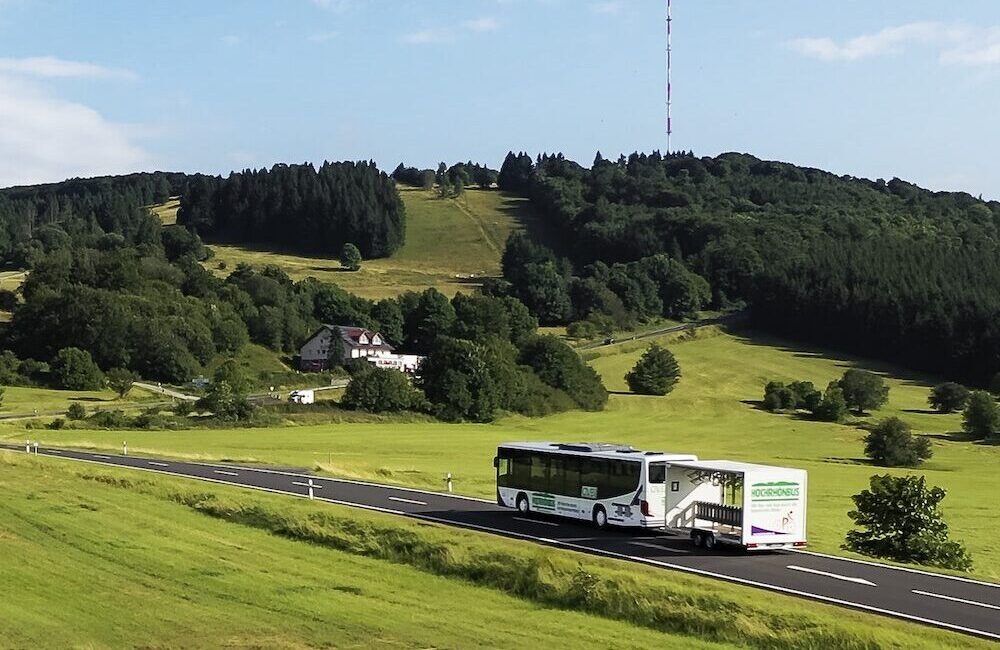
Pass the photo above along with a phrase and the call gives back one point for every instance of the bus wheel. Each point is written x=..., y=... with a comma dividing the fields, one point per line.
x=600, y=517
x=522, y=504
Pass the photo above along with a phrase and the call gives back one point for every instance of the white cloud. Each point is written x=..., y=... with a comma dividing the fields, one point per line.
x=428, y=36
x=323, y=37
x=607, y=7
x=337, y=5
x=954, y=43
x=52, y=67
x=484, y=24
x=44, y=138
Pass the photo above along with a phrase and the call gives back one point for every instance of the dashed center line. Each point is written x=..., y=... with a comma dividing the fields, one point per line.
x=222, y=471
x=835, y=576
x=659, y=547
x=158, y=464
x=413, y=501
x=953, y=599
x=101, y=457
x=536, y=521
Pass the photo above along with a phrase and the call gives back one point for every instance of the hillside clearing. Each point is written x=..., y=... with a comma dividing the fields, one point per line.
x=475, y=227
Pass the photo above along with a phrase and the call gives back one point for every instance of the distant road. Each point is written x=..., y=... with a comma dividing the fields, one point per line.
x=169, y=392
x=693, y=325
x=958, y=604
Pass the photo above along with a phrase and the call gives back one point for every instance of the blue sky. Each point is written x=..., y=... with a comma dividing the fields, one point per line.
x=879, y=89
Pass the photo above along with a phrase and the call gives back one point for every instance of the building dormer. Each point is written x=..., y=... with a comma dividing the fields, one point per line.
x=376, y=340
x=363, y=338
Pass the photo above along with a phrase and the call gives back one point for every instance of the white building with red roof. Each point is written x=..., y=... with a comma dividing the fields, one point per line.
x=356, y=343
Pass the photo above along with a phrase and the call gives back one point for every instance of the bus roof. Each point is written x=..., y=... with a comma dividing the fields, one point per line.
x=598, y=450
x=729, y=466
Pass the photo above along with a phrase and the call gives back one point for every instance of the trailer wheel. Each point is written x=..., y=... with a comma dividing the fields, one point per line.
x=698, y=539
x=600, y=517
x=709, y=541
x=522, y=504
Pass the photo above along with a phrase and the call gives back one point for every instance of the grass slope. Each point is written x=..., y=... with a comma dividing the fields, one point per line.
x=167, y=212
x=94, y=557
x=20, y=400
x=475, y=227
x=711, y=413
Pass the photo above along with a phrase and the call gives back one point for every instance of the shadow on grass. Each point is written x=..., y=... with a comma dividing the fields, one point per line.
x=845, y=360
x=924, y=412
x=839, y=460
x=961, y=436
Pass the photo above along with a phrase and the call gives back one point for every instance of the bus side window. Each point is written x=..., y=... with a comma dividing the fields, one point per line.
x=503, y=471
x=571, y=476
x=521, y=471
x=539, y=473
x=594, y=474
x=657, y=473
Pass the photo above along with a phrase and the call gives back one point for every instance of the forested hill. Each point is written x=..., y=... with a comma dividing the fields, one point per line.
x=882, y=268
x=300, y=207
x=38, y=218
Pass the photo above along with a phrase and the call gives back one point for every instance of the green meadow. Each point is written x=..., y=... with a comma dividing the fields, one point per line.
x=22, y=400
x=95, y=557
x=712, y=413
x=475, y=227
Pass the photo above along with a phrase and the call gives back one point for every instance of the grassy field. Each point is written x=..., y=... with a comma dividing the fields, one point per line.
x=98, y=558
x=711, y=413
x=20, y=400
x=475, y=226
x=167, y=212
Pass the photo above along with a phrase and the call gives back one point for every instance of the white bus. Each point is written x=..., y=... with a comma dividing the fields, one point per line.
x=601, y=482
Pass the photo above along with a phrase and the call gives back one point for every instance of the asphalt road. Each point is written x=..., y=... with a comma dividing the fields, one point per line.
x=959, y=604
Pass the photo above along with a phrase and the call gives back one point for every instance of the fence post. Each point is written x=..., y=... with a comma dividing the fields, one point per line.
x=448, y=482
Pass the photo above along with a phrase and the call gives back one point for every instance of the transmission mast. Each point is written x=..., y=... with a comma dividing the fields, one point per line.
x=670, y=126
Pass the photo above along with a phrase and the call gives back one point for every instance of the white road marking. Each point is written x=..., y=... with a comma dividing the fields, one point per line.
x=592, y=551
x=893, y=567
x=536, y=521
x=835, y=576
x=413, y=501
x=659, y=547
x=219, y=471
x=957, y=600
x=52, y=451
x=101, y=457
x=159, y=464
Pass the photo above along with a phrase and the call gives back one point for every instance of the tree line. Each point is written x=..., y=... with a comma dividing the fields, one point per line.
x=154, y=310
x=299, y=208
x=36, y=219
x=881, y=268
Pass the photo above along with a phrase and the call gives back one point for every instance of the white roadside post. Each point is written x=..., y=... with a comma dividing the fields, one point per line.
x=447, y=480
x=36, y=447
x=124, y=448
x=312, y=486
x=27, y=446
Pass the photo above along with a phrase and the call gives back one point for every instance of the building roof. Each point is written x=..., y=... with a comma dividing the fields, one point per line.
x=351, y=334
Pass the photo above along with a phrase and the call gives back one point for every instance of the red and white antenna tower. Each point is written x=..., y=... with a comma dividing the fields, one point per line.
x=670, y=126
